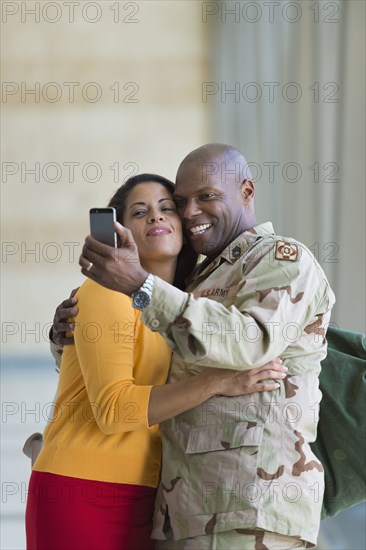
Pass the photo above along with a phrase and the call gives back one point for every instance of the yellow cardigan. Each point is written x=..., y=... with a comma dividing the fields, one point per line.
x=99, y=428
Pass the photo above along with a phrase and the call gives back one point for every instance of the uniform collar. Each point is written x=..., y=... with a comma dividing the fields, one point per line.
x=244, y=241
x=237, y=248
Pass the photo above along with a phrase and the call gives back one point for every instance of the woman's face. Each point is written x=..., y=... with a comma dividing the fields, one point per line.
x=151, y=215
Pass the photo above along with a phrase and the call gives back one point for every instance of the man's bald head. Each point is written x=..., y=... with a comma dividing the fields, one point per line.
x=218, y=159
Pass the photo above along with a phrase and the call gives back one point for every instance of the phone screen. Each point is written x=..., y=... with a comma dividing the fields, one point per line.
x=102, y=225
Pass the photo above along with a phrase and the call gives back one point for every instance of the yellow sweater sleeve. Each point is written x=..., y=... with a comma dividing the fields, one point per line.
x=107, y=343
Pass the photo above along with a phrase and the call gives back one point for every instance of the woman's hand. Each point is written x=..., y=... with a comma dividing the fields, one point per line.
x=232, y=382
x=59, y=333
x=178, y=397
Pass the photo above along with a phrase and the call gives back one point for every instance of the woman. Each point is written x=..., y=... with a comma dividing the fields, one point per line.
x=93, y=484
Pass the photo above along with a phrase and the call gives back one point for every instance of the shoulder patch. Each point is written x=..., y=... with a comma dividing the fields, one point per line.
x=286, y=251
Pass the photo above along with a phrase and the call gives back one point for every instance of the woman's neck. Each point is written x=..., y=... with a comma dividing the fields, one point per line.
x=164, y=269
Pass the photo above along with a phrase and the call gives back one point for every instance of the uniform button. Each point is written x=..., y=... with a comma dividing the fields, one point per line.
x=339, y=454
x=155, y=323
x=156, y=466
x=154, y=479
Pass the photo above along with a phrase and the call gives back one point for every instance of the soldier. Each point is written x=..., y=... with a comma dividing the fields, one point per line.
x=237, y=472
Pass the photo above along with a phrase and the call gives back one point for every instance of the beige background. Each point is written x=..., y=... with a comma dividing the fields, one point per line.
x=164, y=52
x=164, y=55
x=159, y=56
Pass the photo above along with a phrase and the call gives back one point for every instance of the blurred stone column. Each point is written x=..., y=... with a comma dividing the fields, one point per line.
x=288, y=90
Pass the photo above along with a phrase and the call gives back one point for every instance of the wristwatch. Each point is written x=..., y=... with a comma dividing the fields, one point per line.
x=142, y=297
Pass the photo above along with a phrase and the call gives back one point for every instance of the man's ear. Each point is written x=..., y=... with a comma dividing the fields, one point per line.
x=247, y=191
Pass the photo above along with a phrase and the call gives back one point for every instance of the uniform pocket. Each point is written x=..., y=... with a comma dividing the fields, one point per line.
x=229, y=435
x=222, y=462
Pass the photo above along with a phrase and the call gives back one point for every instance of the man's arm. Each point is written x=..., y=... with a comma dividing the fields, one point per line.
x=274, y=303
x=274, y=297
x=107, y=356
x=167, y=401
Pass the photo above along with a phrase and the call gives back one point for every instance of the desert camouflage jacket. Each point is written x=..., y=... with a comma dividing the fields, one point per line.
x=244, y=462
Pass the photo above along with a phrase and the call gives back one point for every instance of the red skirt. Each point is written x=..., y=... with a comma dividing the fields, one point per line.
x=67, y=513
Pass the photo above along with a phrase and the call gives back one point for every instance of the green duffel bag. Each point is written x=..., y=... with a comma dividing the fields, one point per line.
x=341, y=438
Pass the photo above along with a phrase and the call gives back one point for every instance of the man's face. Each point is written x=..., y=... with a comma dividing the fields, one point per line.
x=212, y=211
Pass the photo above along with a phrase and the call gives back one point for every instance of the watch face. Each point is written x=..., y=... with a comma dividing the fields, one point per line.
x=141, y=299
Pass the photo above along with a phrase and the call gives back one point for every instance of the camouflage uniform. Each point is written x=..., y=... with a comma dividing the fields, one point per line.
x=245, y=462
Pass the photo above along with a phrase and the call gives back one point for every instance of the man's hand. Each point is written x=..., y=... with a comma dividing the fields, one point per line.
x=115, y=268
x=61, y=327
x=233, y=383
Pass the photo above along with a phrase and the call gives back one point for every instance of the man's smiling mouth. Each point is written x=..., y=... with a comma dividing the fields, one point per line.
x=200, y=229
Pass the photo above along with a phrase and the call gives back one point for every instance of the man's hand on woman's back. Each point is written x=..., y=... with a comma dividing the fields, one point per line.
x=60, y=333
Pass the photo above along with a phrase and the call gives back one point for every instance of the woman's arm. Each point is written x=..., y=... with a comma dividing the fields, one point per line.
x=106, y=352
x=173, y=399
